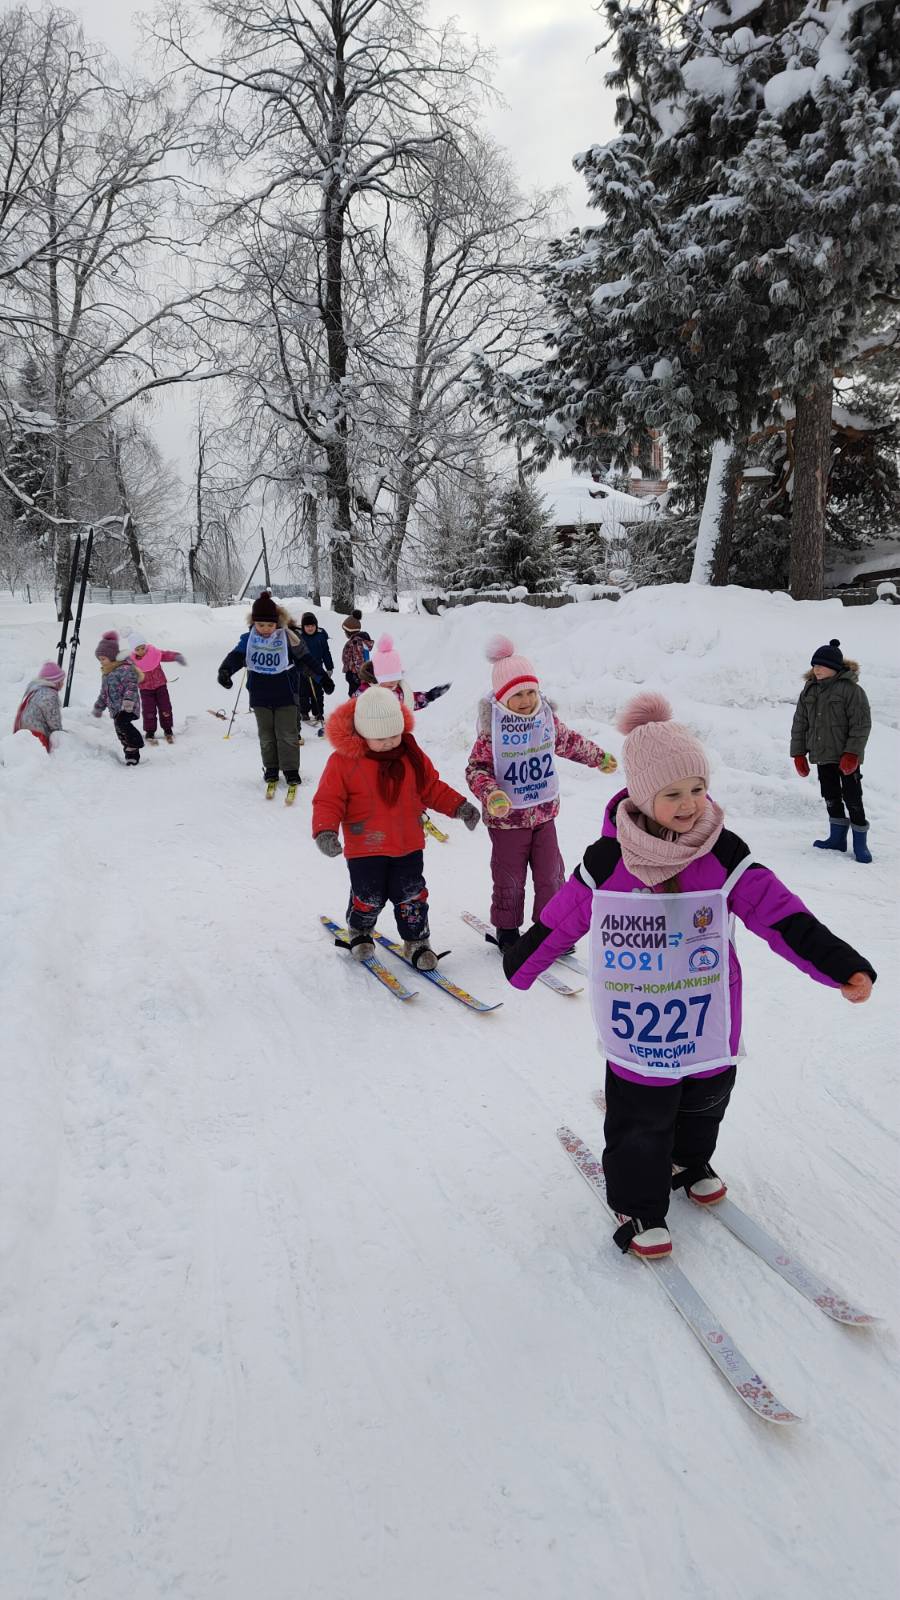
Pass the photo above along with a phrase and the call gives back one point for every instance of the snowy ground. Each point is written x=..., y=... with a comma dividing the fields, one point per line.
x=299, y=1297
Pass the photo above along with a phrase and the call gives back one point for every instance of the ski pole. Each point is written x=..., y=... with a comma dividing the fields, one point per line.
x=236, y=699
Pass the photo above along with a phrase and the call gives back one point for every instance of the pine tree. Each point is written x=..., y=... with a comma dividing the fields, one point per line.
x=517, y=546
x=29, y=462
x=752, y=216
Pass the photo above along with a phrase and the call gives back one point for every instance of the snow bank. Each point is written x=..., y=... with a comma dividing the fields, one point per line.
x=298, y=1296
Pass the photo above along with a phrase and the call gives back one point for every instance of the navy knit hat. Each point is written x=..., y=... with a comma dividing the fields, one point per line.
x=308, y=619
x=829, y=655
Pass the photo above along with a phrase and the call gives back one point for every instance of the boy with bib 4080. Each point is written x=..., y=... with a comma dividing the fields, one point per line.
x=512, y=771
x=657, y=891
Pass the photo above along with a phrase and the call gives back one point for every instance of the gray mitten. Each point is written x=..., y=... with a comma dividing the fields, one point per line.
x=328, y=843
x=468, y=814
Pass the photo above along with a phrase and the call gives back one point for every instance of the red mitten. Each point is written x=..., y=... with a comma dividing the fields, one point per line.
x=802, y=765
x=848, y=764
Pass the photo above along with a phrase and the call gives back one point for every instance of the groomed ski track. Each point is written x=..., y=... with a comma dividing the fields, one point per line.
x=299, y=1296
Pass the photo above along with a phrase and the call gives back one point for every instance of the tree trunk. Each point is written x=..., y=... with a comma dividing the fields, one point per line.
x=731, y=488
x=390, y=561
x=340, y=540
x=716, y=530
x=336, y=451
x=311, y=524
x=812, y=462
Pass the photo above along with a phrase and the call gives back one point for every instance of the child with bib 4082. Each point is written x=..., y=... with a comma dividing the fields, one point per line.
x=512, y=771
x=658, y=890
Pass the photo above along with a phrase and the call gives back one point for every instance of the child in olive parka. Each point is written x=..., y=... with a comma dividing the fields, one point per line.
x=831, y=725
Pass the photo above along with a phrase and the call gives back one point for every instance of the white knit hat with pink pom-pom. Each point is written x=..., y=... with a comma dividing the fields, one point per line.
x=510, y=672
x=657, y=751
x=385, y=661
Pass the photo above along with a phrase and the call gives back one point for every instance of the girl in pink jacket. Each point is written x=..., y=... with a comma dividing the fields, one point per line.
x=154, y=689
x=512, y=771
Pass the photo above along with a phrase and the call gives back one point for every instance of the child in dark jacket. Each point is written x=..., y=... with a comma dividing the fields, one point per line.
x=831, y=725
x=312, y=691
x=120, y=694
x=355, y=653
x=665, y=979
x=375, y=787
x=155, y=701
x=39, y=712
x=273, y=655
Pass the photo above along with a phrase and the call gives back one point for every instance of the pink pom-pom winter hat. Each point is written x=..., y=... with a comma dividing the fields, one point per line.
x=510, y=672
x=385, y=661
x=52, y=674
x=657, y=751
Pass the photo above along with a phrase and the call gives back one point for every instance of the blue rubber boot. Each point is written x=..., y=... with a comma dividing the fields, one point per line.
x=837, y=838
x=861, y=844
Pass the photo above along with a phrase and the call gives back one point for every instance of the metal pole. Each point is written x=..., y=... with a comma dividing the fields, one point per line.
x=76, y=631
x=67, y=603
x=250, y=579
x=236, y=699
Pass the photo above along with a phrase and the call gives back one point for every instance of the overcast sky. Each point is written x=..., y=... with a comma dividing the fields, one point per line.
x=548, y=74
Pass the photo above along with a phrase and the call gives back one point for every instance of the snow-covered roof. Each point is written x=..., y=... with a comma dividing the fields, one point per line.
x=573, y=500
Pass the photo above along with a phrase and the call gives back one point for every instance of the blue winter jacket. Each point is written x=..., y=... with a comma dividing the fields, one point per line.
x=317, y=645
x=272, y=689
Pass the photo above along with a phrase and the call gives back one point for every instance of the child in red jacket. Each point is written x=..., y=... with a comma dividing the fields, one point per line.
x=376, y=786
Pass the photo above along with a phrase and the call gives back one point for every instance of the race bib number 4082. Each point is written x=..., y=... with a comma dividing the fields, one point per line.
x=659, y=968
x=524, y=755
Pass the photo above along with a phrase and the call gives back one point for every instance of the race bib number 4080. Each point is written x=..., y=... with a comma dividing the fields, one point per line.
x=659, y=981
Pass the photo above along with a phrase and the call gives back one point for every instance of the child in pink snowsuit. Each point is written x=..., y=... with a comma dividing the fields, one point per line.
x=512, y=771
x=154, y=689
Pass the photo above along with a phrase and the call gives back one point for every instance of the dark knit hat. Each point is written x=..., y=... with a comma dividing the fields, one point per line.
x=264, y=608
x=353, y=623
x=108, y=648
x=307, y=619
x=829, y=655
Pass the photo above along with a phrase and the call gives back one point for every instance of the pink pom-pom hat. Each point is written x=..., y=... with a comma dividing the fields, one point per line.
x=52, y=674
x=385, y=661
x=509, y=672
x=657, y=751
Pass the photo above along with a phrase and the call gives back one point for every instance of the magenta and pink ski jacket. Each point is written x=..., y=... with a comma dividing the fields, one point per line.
x=482, y=780
x=762, y=902
x=150, y=664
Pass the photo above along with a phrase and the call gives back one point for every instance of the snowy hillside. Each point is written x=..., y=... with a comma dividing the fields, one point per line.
x=299, y=1297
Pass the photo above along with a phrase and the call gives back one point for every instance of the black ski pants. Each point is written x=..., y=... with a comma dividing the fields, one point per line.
x=376, y=879
x=840, y=788
x=650, y=1126
x=128, y=735
x=312, y=697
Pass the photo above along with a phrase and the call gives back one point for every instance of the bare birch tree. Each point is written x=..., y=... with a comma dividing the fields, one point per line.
x=324, y=112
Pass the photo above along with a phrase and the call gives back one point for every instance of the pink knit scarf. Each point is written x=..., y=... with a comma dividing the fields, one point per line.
x=652, y=859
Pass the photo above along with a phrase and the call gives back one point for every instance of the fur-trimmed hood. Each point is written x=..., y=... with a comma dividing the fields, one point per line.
x=485, y=712
x=286, y=621
x=850, y=670
x=342, y=734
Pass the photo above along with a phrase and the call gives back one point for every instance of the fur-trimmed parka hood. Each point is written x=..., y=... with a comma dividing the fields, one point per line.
x=342, y=735
x=850, y=670
x=485, y=712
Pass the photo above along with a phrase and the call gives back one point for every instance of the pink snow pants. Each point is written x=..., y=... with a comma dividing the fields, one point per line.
x=513, y=850
x=153, y=701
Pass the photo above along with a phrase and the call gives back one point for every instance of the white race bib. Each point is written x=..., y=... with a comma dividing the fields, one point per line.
x=659, y=968
x=524, y=755
x=268, y=655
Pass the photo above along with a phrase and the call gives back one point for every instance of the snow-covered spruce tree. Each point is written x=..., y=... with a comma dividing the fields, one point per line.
x=517, y=549
x=28, y=453
x=752, y=216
